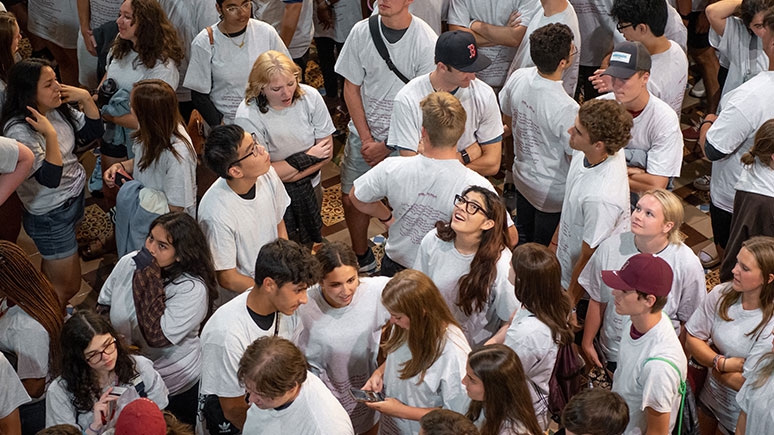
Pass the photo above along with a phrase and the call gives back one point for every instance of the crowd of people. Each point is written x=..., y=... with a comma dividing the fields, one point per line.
x=227, y=312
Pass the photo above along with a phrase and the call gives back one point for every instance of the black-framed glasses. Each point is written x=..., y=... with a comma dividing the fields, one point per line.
x=246, y=6
x=469, y=206
x=254, y=151
x=620, y=26
x=97, y=356
x=574, y=51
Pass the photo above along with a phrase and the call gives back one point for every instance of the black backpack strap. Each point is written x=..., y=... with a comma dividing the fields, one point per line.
x=373, y=25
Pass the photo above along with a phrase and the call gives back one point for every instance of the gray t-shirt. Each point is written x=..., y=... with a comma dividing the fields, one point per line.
x=9, y=155
x=13, y=393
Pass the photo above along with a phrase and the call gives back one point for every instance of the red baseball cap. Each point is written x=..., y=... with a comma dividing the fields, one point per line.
x=141, y=417
x=645, y=273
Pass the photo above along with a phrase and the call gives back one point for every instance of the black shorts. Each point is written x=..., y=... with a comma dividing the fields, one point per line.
x=696, y=40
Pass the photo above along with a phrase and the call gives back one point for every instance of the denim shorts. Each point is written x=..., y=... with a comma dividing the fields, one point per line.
x=54, y=232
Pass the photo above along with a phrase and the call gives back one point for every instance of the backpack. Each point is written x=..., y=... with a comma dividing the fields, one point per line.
x=566, y=378
x=687, y=422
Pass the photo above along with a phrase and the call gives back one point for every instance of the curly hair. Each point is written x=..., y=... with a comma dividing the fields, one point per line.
x=80, y=379
x=549, y=45
x=606, y=121
x=285, y=261
x=474, y=286
x=267, y=66
x=8, y=26
x=157, y=38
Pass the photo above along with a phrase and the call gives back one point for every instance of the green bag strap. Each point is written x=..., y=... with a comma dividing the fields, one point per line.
x=681, y=390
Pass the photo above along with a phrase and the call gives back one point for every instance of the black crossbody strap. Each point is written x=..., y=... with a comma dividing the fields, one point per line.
x=373, y=25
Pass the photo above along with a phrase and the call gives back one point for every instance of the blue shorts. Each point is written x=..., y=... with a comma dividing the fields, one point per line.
x=54, y=232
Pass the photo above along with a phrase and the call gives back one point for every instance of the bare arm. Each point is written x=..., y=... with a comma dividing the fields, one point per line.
x=282, y=231
x=489, y=162
x=35, y=387
x=396, y=408
x=232, y=280
x=84, y=17
x=128, y=120
x=323, y=148
x=234, y=409
x=510, y=36
x=481, y=40
x=657, y=422
x=741, y=424
x=576, y=291
x=594, y=318
x=11, y=424
x=10, y=181
x=376, y=209
x=640, y=181
x=289, y=22
x=718, y=12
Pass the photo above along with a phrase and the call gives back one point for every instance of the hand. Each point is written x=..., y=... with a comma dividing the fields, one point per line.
x=733, y=365
x=514, y=20
x=74, y=94
x=591, y=353
x=325, y=15
x=109, y=177
x=389, y=406
x=89, y=41
x=374, y=152
x=322, y=149
x=102, y=410
x=40, y=123
x=375, y=382
x=602, y=83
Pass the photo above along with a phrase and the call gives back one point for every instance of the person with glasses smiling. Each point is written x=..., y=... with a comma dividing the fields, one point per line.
x=243, y=209
x=419, y=187
x=468, y=258
x=221, y=57
x=94, y=362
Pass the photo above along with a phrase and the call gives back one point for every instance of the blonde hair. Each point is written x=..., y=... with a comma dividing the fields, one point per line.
x=673, y=211
x=265, y=68
x=414, y=294
x=443, y=117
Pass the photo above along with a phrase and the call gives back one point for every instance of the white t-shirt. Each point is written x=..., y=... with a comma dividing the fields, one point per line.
x=433, y=12
x=54, y=20
x=185, y=307
x=596, y=206
x=291, y=130
x=533, y=341
x=9, y=155
x=59, y=402
x=445, y=266
x=13, y=394
x=756, y=403
x=24, y=336
x=541, y=114
x=360, y=63
x=221, y=69
x=237, y=228
x=175, y=177
x=102, y=11
x=746, y=109
x=441, y=386
x=272, y=11
x=757, y=178
x=668, y=76
x=494, y=12
x=656, y=130
x=314, y=412
x=482, y=125
x=688, y=285
x=652, y=384
x=38, y=199
x=740, y=52
x=129, y=70
x=224, y=339
x=523, y=58
x=341, y=344
x=731, y=339
x=417, y=201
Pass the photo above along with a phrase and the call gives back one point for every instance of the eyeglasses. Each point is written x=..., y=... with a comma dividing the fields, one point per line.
x=246, y=6
x=97, y=356
x=620, y=26
x=256, y=150
x=469, y=206
x=574, y=51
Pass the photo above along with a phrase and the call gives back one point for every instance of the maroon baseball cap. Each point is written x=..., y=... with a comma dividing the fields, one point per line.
x=141, y=417
x=645, y=273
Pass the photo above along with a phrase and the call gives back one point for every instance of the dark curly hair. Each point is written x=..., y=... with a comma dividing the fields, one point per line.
x=285, y=261
x=607, y=121
x=549, y=45
x=80, y=379
x=157, y=38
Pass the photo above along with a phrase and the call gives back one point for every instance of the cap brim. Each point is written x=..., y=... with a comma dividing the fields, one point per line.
x=481, y=63
x=611, y=278
x=618, y=72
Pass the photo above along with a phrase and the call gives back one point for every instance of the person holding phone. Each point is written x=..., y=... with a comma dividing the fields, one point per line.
x=96, y=361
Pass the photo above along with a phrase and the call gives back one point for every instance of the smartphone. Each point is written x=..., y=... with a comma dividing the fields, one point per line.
x=117, y=391
x=122, y=177
x=366, y=396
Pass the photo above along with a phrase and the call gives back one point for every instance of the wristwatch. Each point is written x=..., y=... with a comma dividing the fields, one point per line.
x=465, y=156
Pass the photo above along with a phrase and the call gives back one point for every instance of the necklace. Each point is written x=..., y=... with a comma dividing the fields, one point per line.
x=230, y=37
